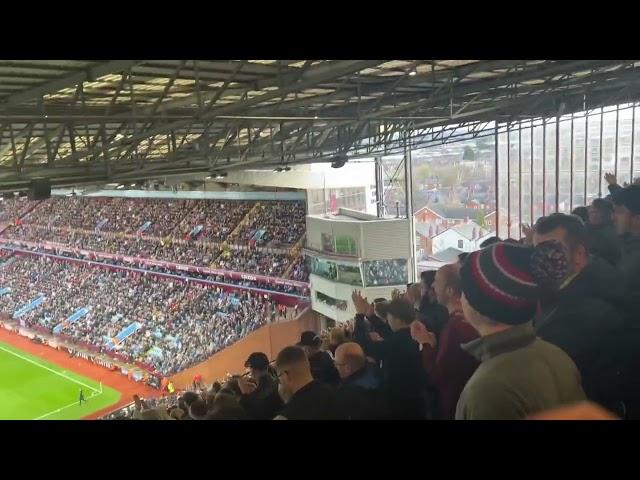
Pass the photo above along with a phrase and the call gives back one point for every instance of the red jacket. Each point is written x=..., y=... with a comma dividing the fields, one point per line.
x=448, y=366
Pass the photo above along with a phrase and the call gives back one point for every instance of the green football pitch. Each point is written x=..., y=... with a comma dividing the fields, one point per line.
x=32, y=389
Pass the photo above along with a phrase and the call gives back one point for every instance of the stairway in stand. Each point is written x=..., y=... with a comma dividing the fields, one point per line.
x=234, y=233
x=296, y=252
x=242, y=222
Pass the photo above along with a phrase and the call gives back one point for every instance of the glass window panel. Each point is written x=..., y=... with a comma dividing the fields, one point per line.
x=624, y=144
x=636, y=144
x=550, y=167
x=526, y=174
x=394, y=197
x=503, y=184
x=578, y=161
x=564, y=158
x=460, y=175
x=593, y=156
x=514, y=182
x=537, y=170
x=608, y=147
x=379, y=273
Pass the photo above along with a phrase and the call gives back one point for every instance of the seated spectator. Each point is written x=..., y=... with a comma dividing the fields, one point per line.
x=404, y=380
x=198, y=410
x=519, y=373
x=186, y=400
x=358, y=392
x=448, y=366
x=322, y=367
x=227, y=407
x=586, y=315
x=304, y=397
x=143, y=411
x=260, y=397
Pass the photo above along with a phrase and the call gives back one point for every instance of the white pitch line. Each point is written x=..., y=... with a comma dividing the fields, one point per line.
x=49, y=369
x=93, y=395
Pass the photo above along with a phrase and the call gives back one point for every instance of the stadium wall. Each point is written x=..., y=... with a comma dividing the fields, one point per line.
x=269, y=339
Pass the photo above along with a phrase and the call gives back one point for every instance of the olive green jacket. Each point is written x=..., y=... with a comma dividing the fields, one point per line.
x=519, y=374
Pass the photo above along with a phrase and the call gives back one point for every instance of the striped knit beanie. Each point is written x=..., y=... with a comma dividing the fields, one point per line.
x=502, y=281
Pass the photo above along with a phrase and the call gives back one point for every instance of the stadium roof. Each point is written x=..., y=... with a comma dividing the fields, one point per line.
x=86, y=121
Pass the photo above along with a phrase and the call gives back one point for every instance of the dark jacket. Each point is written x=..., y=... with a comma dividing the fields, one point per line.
x=433, y=315
x=587, y=319
x=630, y=265
x=376, y=324
x=359, y=395
x=519, y=375
x=314, y=401
x=323, y=369
x=264, y=402
x=449, y=367
x=404, y=380
x=604, y=243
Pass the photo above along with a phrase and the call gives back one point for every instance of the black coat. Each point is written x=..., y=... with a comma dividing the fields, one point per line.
x=404, y=380
x=604, y=243
x=360, y=397
x=433, y=315
x=323, y=369
x=589, y=320
x=314, y=401
x=264, y=402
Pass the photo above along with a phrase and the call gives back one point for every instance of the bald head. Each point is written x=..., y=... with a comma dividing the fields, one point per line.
x=447, y=285
x=349, y=359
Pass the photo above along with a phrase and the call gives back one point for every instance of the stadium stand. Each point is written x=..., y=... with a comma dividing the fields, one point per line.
x=179, y=323
x=189, y=232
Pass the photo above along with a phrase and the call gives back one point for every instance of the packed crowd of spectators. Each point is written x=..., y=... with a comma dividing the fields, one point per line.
x=271, y=264
x=181, y=323
x=300, y=269
x=218, y=219
x=543, y=327
x=112, y=214
x=114, y=225
x=13, y=208
x=280, y=223
x=385, y=272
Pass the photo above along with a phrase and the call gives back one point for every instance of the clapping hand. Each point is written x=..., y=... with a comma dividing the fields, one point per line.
x=361, y=304
x=421, y=335
x=610, y=178
x=527, y=231
x=375, y=337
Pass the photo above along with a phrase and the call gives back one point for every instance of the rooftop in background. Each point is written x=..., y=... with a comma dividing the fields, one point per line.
x=88, y=121
x=454, y=212
x=447, y=256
